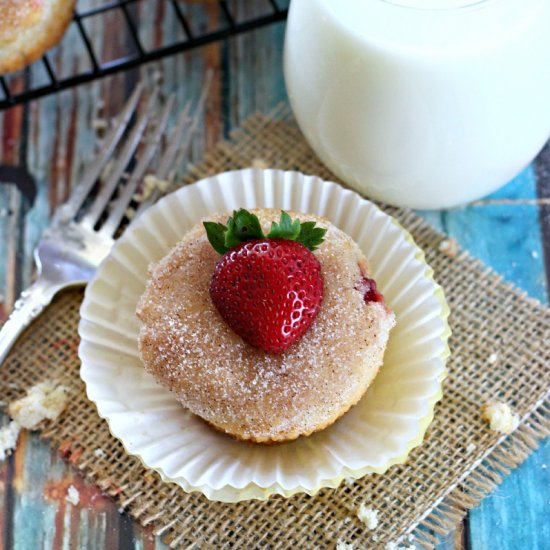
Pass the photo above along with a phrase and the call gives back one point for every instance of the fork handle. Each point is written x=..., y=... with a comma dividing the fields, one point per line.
x=30, y=304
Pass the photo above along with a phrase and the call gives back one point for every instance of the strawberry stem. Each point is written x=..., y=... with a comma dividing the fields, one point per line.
x=244, y=226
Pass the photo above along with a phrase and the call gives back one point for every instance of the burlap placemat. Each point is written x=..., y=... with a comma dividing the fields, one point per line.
x=499, y=350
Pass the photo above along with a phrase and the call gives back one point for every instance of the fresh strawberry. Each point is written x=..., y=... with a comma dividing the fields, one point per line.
x=268, y=288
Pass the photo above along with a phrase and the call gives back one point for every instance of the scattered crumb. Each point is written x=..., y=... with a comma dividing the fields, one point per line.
x=341, y=545
x=99, y=124
x=349, y=481
x=347, y=520
x=534, y=254
x=8, y=439
x=375, y=538
x=368, y=516
x=150, y=184
x=449, y=247
x=99, y=452
x=259, y=163
x=500, y=417
x=121, y=510
x=396, y=546
x=492, y=358
x=471, y=448
x=44, y=400
x=130, y=213
x=73, y=496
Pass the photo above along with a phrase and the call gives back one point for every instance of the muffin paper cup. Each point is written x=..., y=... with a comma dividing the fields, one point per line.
x=379, y=431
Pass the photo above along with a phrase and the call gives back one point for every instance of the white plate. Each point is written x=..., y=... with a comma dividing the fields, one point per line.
x=380, y=431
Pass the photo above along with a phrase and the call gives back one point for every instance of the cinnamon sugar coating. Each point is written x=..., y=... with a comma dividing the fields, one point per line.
x=17, y=16
x=239, y=389
x=28, y=28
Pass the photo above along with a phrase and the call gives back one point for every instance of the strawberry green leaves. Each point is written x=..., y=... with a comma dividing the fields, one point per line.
x=310, y=236
x=285, y=229
x=244, y=226
x=216, y=236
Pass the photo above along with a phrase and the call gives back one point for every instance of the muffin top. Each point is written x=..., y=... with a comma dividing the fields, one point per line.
x=188, y=347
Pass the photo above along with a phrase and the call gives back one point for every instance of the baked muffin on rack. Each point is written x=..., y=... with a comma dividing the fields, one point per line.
x=30, y=27
x=276, y=338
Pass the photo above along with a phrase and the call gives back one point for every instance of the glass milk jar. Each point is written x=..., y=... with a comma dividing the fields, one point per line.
x=421, y=103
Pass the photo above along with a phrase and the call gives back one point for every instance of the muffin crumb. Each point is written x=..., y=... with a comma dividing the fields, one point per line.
x=151, y=183
x=449, y=247
x=73, y=496
x=500, y=417
x=396, y=546
x=8, y=439
x=369, y=516
x=46, y=400
x=341, y=545
x=259, y=163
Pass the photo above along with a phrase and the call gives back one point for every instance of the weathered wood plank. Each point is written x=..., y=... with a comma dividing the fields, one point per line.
x=515, y=516
x=508, y=238
x=505, y=237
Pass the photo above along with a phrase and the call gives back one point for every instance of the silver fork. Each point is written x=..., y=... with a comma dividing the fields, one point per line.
x=70, y=250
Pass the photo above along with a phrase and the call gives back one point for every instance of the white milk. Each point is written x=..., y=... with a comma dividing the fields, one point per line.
x=421, y=103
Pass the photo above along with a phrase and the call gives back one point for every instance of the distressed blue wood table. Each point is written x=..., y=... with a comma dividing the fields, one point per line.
x=51, y=139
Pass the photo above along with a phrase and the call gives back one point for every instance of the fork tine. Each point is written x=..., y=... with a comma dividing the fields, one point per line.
x=167, y=159
x=115, y=216
x=174, y=142
x=132, y=142
x=70, y=208
x=175, y=146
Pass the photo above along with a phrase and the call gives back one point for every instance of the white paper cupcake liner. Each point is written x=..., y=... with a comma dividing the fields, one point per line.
x=379, y=431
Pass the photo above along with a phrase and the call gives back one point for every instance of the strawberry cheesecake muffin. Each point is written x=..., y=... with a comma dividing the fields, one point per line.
x=266, y=324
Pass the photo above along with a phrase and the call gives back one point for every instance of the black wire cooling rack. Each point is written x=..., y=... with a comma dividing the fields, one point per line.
x=229, y=24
